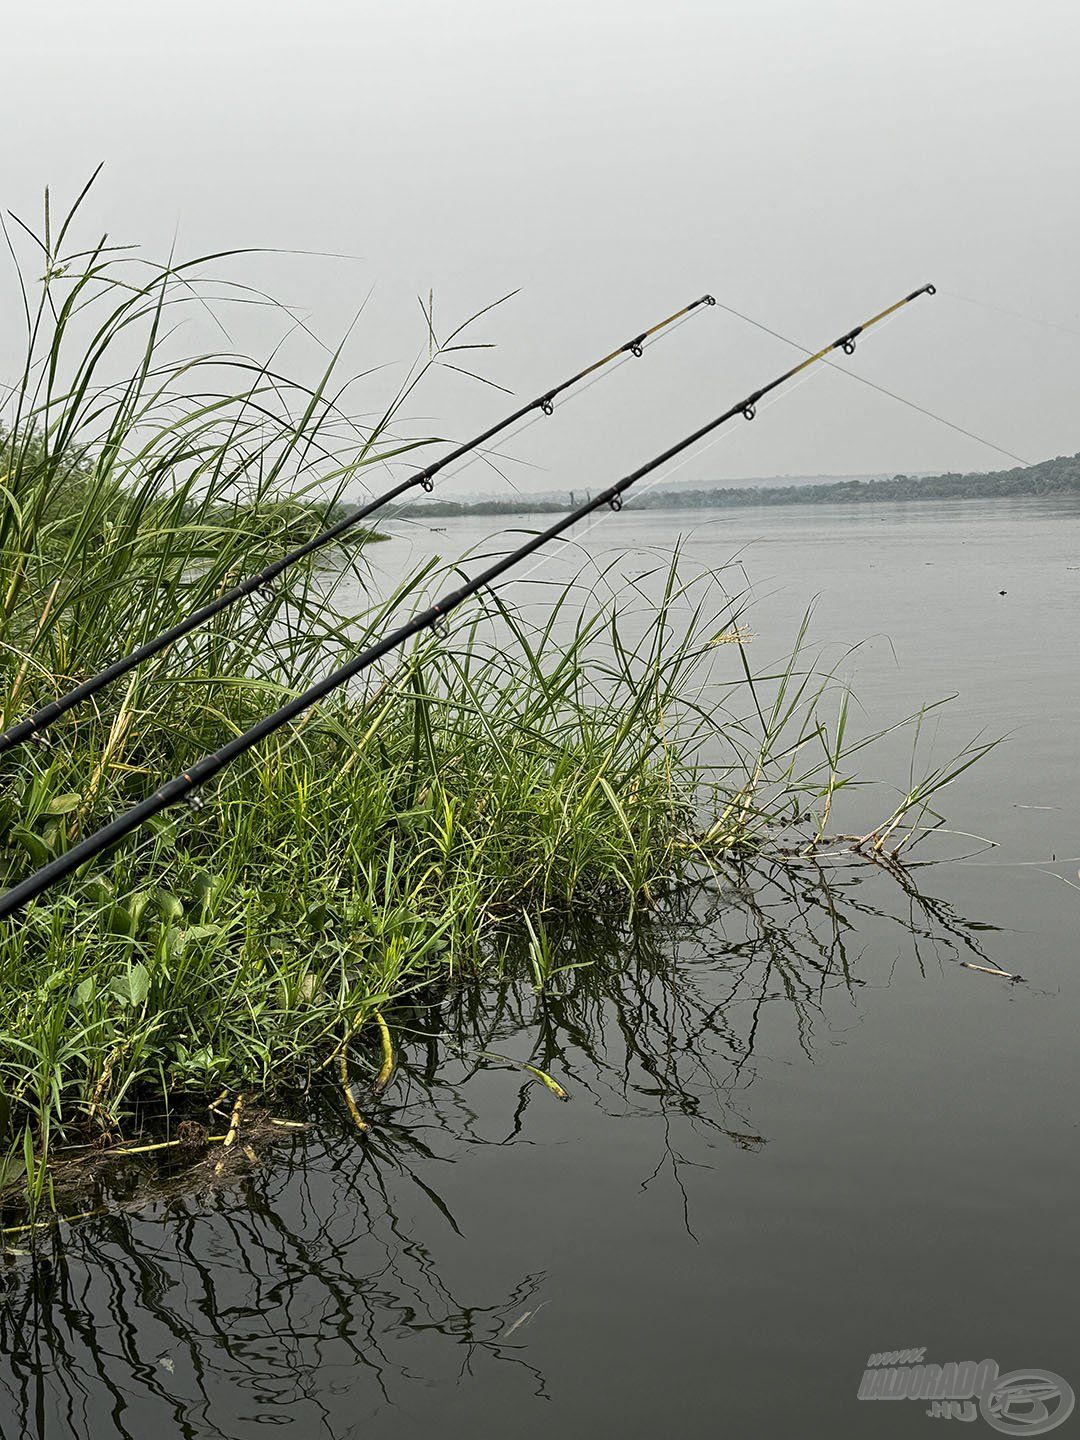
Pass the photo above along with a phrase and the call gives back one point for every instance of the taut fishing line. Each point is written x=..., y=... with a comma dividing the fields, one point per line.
x=717, y=439
x=1013, y=314
x=853, y=375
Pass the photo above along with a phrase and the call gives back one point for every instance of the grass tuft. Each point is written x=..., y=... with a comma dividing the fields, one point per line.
x=485, y=783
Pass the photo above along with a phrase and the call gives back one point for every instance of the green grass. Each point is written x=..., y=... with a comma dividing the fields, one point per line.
x=485, y=782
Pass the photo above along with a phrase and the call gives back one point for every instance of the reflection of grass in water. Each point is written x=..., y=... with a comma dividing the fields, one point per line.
x=663, y=995
x=661, y=1013
x=399, y=833
x=664, y=1020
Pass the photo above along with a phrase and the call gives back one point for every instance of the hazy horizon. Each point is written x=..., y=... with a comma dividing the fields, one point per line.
x=807, y=165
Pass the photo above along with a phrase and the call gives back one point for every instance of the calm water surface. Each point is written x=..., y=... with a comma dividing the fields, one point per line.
x=801, y=1130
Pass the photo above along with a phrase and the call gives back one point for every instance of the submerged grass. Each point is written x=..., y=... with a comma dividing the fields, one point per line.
x=485, y=780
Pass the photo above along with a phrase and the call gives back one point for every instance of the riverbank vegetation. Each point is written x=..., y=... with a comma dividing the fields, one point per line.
x=523, y=768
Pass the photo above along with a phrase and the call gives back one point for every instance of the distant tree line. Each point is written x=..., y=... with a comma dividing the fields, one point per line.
x=1060, y=476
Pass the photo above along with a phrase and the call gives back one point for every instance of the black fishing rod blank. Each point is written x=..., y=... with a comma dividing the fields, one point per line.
x=184, y=786
x=37, y=723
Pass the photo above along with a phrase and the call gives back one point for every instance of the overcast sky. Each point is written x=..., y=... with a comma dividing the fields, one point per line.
x=806, y=162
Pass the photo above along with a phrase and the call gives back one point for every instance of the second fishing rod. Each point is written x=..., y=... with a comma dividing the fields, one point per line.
x=184, y=785
x=35, y=725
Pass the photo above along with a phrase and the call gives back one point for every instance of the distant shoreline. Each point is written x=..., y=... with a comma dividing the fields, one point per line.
x=1060, y=476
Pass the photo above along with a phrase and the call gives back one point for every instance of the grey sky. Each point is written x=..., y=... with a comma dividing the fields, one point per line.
x=807, y=162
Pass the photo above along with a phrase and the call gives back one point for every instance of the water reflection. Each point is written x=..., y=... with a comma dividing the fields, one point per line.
x=334, y=1279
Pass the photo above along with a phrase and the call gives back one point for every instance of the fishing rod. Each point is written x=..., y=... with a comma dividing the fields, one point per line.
x=35, y=725
x=184, y=785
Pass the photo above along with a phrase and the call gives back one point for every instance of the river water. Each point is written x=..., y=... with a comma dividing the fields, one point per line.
x=800, y=1129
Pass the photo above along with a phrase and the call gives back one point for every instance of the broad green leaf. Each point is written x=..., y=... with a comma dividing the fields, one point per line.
x=63, y=804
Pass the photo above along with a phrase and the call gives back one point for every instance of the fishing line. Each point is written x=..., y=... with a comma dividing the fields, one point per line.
x=185, y=785
x=717, y=439
x=853, y=375
x=1014, y=314
x=262, y=580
